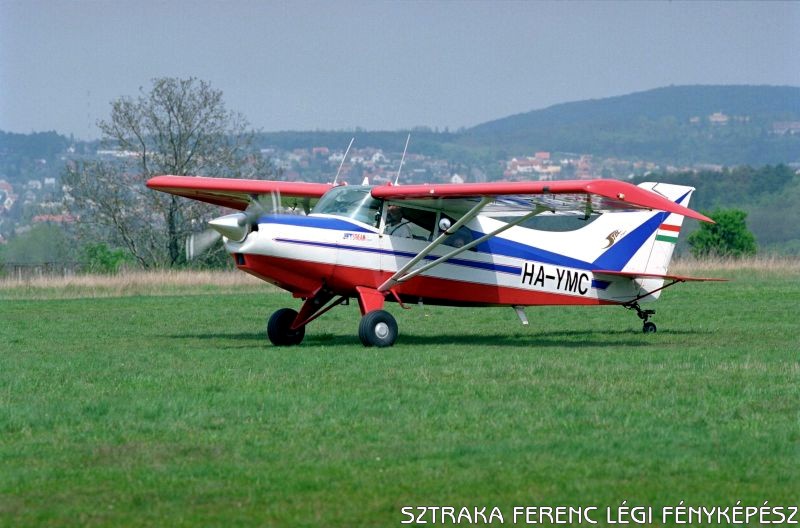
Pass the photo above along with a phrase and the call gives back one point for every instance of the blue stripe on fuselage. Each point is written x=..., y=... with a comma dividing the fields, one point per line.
x=618, y=255
x=509, y=248
x=490, y=266
x=338, y=224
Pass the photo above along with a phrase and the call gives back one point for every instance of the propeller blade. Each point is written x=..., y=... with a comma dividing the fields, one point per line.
x=198, y=243
x=262, y=204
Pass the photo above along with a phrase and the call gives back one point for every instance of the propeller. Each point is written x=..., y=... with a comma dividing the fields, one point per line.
x=198, y=243
x=234, y=226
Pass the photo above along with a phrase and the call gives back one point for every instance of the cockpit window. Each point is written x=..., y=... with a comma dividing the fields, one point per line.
x=354, y=202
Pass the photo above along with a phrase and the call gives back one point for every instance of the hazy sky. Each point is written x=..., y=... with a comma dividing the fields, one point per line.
x=379, y=64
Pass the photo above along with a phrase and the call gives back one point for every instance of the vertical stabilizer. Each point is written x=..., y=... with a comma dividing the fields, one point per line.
x=663, y=243
x=659, y=248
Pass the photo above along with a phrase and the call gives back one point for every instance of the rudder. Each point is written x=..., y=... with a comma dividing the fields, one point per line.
x=663, y=244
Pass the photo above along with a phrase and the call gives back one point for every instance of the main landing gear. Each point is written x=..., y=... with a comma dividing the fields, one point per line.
x=648, y=327
x=279, y=328
x=377, y=328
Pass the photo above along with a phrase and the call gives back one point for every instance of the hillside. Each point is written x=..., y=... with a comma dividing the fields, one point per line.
x=676, y=125
x=727, y=125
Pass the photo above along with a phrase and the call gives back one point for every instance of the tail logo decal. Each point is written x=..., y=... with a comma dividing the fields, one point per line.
x=612, y=237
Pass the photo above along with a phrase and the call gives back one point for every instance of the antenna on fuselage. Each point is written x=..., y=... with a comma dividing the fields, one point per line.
x=397, y=178
x=346, y=152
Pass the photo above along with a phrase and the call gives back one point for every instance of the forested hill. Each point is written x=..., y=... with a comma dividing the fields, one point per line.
x=676, y=125
x=728, y=125
x=34, y=145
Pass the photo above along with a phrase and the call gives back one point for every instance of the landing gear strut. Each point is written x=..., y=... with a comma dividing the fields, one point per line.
x=287, y=327
x=648, y=327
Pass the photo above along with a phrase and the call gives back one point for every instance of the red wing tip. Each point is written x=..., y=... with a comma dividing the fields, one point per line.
x=704, y=218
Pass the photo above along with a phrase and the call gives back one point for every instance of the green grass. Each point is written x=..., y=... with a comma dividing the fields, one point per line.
x=173, y=410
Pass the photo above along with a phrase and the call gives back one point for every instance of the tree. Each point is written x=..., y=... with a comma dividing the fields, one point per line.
x=179, y=127
x=98, y=258
x=728, y=237
x=41, y=244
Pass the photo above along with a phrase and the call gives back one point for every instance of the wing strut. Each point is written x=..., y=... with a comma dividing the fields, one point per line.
x=403, y=274
x=472, y=213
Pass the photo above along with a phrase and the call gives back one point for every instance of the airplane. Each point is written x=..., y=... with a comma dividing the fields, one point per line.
x=468, y=244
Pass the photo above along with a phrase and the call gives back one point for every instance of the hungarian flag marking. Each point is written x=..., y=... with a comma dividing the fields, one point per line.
x=668, y=233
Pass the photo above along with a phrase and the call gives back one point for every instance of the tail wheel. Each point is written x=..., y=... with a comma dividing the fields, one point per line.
x=649, y=328
x=377, y=328
x=279, y=328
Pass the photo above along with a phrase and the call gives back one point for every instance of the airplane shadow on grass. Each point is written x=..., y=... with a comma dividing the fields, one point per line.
x=543, y=339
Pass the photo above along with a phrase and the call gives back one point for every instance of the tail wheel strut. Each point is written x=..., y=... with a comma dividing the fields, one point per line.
x=648, y=327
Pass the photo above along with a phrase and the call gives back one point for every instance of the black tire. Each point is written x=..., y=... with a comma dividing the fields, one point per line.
x=377, y=328
x=649, y=328
x=278, y=328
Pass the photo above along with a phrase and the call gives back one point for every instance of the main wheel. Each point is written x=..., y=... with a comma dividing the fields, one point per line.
x=649, y=328
x=377, y=328
x=279, y=328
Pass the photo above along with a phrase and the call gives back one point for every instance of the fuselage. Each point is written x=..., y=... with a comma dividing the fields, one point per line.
x=300, y=253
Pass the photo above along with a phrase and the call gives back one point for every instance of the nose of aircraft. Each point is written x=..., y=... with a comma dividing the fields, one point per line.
x=234, y=227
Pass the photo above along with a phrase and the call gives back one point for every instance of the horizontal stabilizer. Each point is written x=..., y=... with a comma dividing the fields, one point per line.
x=643, y=275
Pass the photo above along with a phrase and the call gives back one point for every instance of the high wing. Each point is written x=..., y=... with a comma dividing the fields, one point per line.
x=516, y=198
x=230, y=192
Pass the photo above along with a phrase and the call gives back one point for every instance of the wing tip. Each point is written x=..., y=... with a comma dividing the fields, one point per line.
x=698, y=216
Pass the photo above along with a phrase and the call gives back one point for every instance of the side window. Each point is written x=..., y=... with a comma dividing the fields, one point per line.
x=460, y=238
x=408, y=222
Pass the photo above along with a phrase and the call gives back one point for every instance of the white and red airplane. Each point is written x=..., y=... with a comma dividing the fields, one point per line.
x=449, y=244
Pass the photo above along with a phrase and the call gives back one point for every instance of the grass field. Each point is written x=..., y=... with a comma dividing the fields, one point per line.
x=165, y=406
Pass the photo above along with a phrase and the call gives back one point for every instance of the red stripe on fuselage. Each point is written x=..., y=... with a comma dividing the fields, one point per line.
x=667, y=227
x=303, y=277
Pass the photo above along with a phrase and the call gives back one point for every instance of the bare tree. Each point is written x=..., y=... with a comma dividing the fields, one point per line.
x=180, y=127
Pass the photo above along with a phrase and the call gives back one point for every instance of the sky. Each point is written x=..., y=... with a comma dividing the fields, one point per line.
x=377, y=65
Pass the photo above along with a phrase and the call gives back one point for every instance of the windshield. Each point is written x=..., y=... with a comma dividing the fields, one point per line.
x=354, y=202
